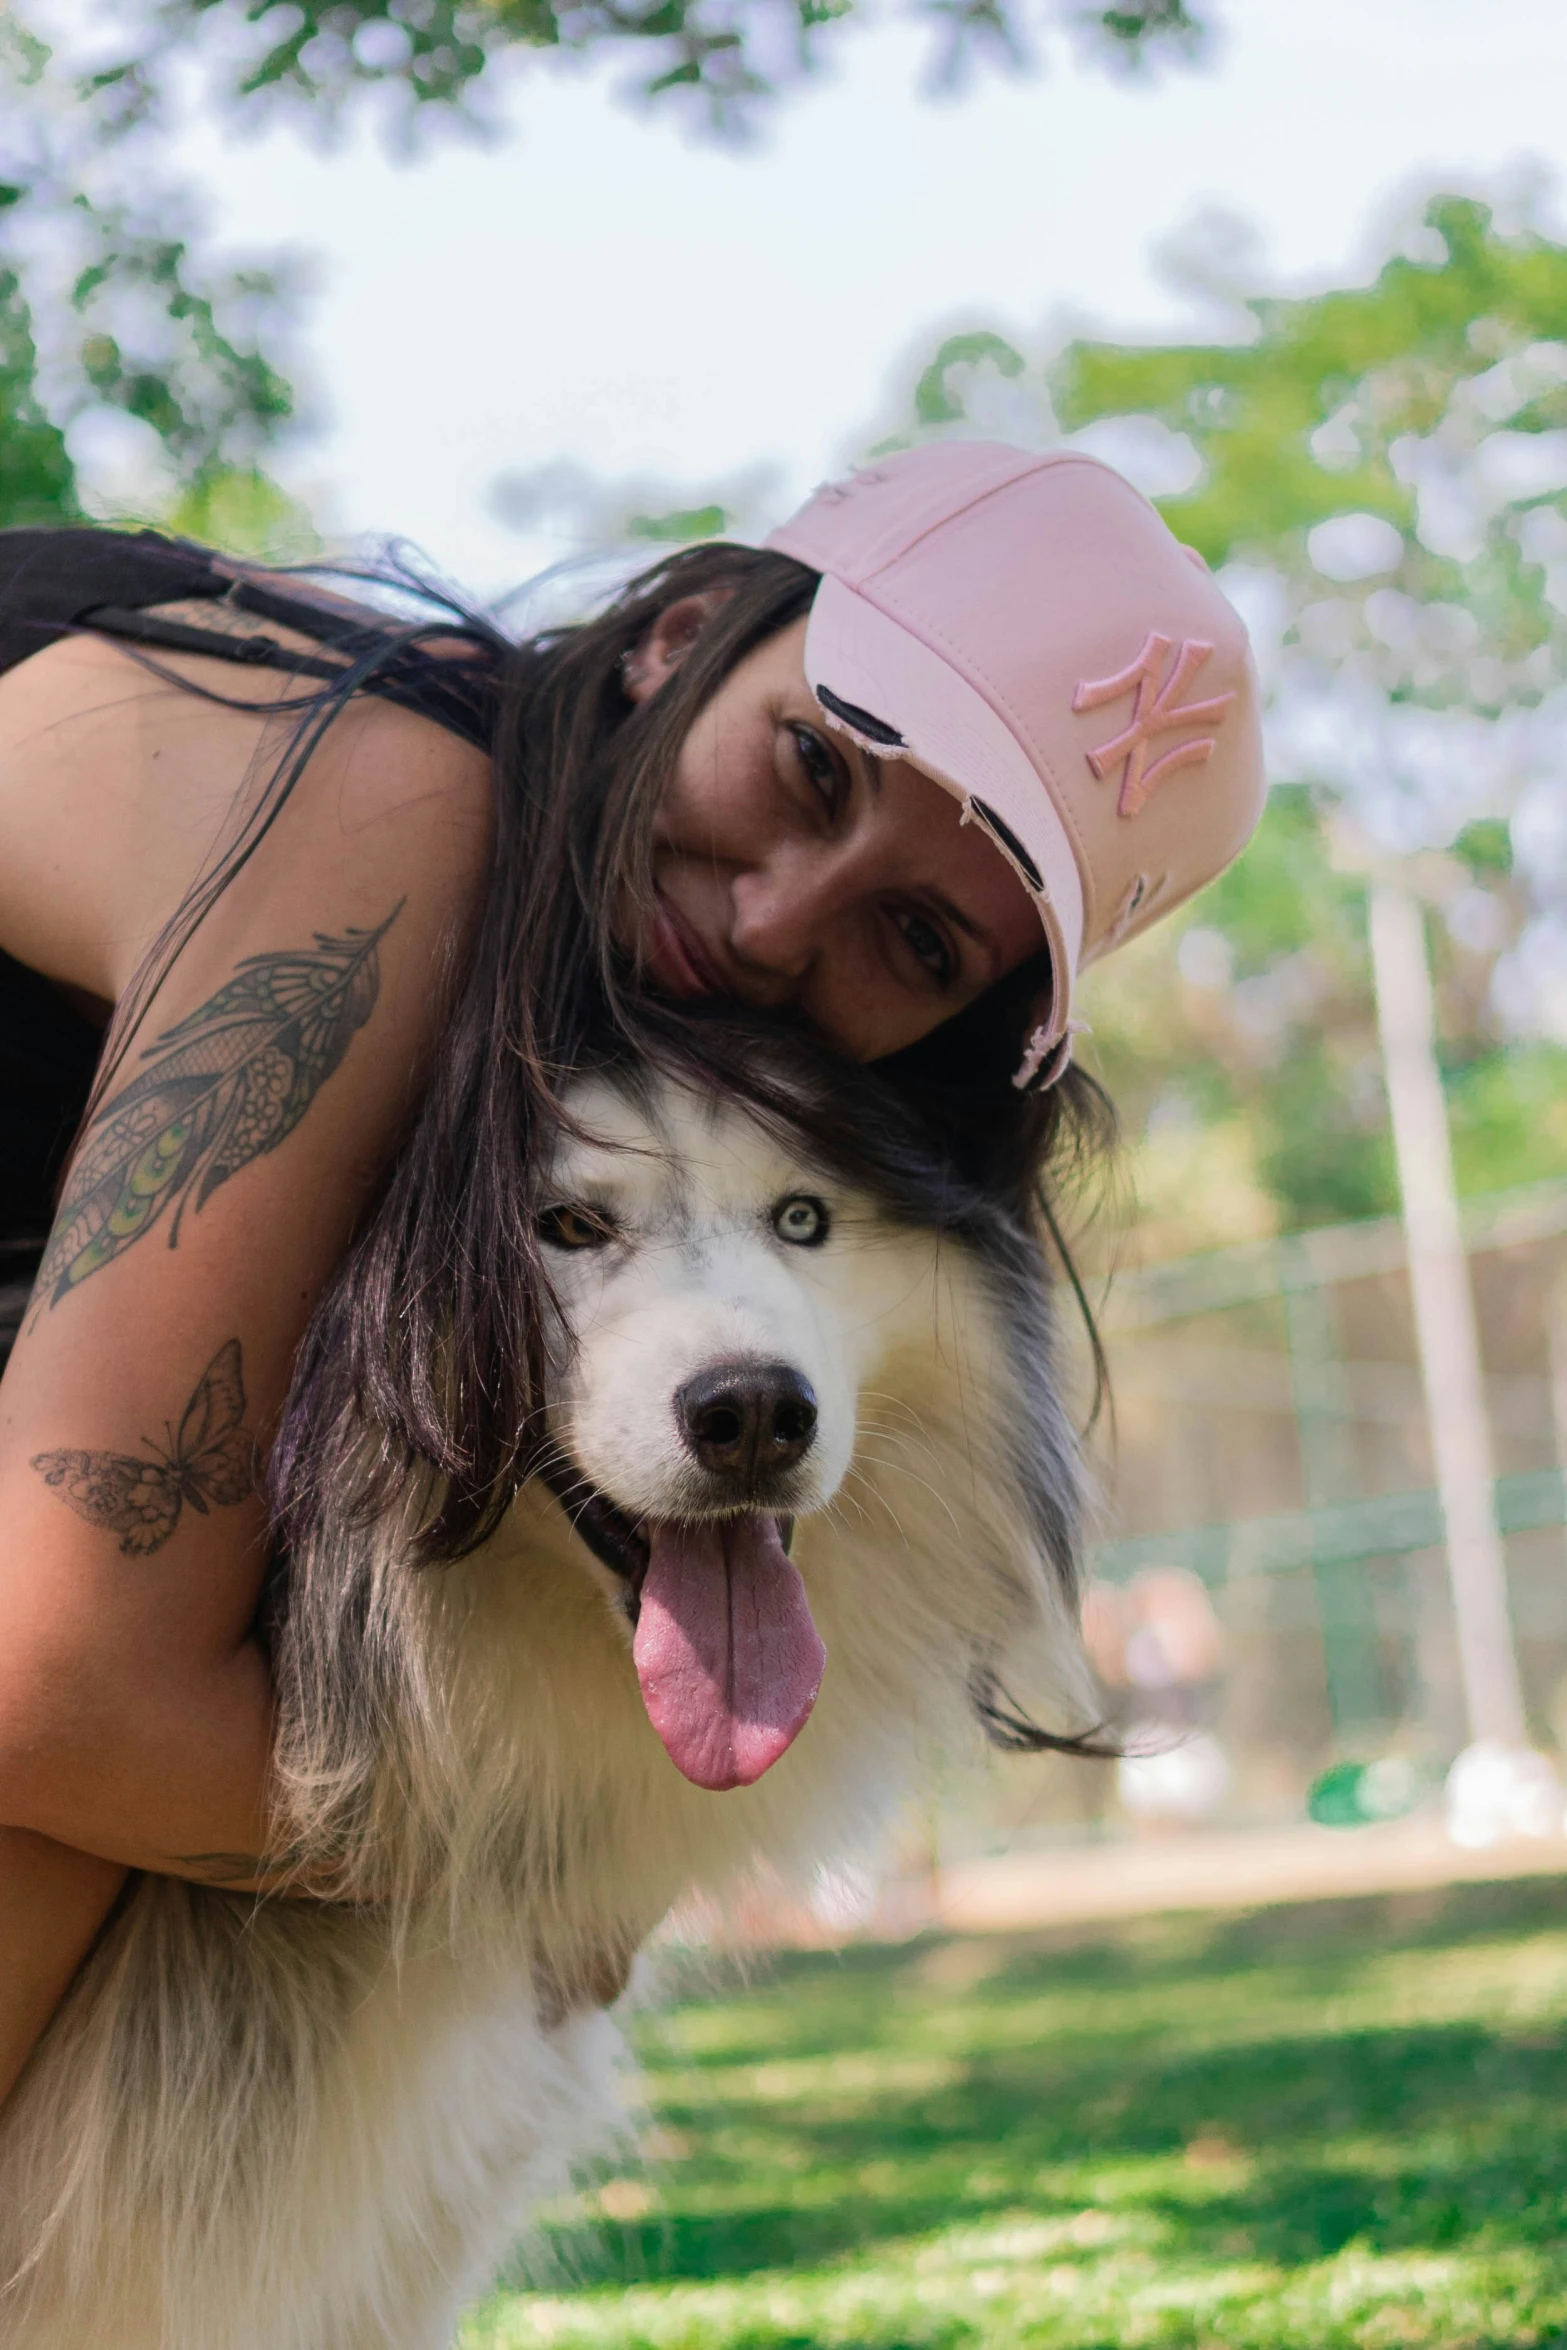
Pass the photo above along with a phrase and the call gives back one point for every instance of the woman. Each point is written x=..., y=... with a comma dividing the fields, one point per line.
x=351, y=900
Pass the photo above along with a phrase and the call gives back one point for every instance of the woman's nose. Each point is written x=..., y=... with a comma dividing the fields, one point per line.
x=778, y=913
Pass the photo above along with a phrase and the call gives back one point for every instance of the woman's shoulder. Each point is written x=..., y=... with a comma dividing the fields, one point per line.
x=120, y=787
x=262, y=1077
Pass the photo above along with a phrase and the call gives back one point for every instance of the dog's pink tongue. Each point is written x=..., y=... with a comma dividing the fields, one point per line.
x=726, y=1652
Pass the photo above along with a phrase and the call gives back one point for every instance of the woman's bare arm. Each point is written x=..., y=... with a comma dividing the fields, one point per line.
x=52, y=1904
x=209, y=1202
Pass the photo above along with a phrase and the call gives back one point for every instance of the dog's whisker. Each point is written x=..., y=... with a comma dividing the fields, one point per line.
x=883, y=1504
x=897, y=1403
x=898, y=1469
x=896, y=1462
x=911, y=1419
x=843, y=1497
x=896, y=1436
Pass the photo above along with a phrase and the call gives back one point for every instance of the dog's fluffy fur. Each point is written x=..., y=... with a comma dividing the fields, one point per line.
x=292, y=2126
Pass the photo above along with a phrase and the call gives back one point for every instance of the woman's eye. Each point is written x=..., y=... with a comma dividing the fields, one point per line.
x=928, y=947
x=802, y=1219
x=819, y=765
x=568, y=1226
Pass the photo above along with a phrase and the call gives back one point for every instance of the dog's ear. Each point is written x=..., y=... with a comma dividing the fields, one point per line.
x=1035, y=1692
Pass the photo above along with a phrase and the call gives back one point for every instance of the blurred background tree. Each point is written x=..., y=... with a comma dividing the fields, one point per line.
x=726, y=58
x=1378, y=473
x=125, y=352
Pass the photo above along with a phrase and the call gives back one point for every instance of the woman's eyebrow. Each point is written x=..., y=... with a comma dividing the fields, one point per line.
x=961, y=921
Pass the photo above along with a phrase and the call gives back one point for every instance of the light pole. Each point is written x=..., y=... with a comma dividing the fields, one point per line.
x=1497, y=1784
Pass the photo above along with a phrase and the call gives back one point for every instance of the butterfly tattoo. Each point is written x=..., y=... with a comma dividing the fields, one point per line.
x=210, y=1462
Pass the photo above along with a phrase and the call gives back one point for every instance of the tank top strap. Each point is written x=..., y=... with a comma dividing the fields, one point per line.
x=57, y=582
x=50, y=579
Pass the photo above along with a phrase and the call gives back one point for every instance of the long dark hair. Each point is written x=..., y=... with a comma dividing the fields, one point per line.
x=426, y=1356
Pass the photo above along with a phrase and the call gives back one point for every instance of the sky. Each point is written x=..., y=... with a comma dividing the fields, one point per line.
x=598, y=288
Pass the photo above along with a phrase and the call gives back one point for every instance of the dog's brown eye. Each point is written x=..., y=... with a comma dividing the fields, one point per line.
x=568, y=1226
x=802, y=1219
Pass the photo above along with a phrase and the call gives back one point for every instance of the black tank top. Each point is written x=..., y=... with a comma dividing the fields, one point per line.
x=54, y=583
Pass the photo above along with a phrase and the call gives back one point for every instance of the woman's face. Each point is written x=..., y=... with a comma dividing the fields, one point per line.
x=790, y=868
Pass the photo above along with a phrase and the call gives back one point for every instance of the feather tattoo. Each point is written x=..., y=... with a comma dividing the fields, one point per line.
x=225, y=1085
x=210, y=1462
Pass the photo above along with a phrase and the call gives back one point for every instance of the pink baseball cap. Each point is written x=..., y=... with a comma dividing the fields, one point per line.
x=1026, y=630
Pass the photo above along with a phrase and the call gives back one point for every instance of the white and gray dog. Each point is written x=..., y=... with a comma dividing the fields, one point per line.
x=809, y=1522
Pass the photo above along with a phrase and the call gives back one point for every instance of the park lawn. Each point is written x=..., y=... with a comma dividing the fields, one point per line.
x=1338, y=2125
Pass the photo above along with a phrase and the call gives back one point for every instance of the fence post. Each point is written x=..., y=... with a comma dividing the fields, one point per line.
x=1556, y=1359
x=1444, y=1317
x=1323, y=1418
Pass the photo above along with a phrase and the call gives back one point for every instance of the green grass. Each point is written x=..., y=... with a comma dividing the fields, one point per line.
x=1313, y=2127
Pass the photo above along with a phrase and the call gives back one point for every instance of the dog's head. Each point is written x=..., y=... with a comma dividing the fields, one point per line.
x=741, y=1333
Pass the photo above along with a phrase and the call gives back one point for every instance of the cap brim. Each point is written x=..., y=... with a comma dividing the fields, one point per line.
x=871, y=666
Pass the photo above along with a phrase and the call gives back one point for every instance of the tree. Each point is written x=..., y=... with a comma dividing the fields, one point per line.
x=1379, y=471
x=108, y=311
x=730, y=57
x=106, y=303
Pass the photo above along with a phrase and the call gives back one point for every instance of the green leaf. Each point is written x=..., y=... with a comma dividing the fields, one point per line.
x=696, y=522
x=934, y=401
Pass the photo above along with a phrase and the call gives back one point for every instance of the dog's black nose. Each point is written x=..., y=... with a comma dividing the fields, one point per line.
x=746, y=1421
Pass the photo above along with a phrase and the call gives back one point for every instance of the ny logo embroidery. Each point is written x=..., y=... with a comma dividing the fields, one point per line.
x=1155, y=709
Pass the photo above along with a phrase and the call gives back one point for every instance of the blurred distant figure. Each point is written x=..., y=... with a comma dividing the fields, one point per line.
x=1158, y=1644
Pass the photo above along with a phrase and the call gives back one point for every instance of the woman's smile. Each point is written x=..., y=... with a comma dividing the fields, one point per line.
x=674, y=956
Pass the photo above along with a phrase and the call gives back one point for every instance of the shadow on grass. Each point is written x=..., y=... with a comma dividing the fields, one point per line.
x=1284, y=2148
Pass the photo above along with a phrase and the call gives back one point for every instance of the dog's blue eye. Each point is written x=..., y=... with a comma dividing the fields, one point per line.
x=566, y=1226
x=802, y=1219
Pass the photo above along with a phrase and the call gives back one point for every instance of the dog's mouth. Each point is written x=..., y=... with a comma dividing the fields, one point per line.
x=618, y=1542
x=727, y=1655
